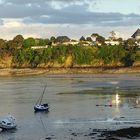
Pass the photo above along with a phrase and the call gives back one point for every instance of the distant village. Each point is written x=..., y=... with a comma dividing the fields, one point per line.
x=95, y=40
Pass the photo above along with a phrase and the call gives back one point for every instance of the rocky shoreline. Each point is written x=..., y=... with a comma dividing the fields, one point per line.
x=119, y=134
x=100, y=134
x=75, y=70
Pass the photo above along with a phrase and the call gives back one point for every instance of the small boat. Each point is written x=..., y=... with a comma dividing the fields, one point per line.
x=39, y=106
x=8, y=122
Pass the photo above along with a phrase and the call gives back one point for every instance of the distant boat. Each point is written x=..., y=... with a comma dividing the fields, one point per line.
x=39, y=106
x=8, y=122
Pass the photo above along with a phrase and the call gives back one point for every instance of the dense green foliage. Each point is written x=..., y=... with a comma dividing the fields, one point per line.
x=110, y=53
x=24, y=56
x=83, y=55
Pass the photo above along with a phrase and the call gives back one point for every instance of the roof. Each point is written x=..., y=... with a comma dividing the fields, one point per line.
x=137, y=33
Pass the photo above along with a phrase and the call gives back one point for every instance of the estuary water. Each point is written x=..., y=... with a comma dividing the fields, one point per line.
x=78, y=103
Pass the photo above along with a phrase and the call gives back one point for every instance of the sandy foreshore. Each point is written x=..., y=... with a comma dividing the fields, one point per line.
x=37, y=71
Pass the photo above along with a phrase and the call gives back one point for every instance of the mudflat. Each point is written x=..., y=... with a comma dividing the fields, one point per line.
x=74, y=70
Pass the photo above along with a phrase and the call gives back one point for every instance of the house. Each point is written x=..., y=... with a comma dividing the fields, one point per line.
x=39, y=47
x=74, y=42
x=95, y=43
x=112, y=42
x=71, y=42
x=136, y=35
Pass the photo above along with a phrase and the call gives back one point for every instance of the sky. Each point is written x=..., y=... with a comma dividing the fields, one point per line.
x=73, y=18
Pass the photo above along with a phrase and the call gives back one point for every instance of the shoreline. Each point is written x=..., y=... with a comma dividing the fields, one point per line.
x=75, y=70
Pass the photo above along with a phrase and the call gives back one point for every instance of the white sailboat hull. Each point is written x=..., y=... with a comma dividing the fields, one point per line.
x=5, y=126
x=41, y=107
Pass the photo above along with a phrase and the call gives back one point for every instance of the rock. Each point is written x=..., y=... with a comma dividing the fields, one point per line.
x=48, y=138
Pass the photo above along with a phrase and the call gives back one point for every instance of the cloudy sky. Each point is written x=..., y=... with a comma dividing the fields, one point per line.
x=74, y=18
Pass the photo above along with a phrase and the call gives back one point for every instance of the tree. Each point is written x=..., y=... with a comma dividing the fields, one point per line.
x=109, y=54
x=11, y=47
x=120, y=39
x=53, y=39
x=129, y=58
x=130, y=44
x=29, y=42
x=18, y=40
x=83, y=55
x=42, y=42
x=3, y=48
x=100, y=40
x=62, y=39
x=2, y=44
x=89, y=39
x=48, y=41
x=94, y=35
x=113, y=35
x=82, y=39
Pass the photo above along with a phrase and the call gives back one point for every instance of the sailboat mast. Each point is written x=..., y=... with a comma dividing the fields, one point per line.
x=42, y=95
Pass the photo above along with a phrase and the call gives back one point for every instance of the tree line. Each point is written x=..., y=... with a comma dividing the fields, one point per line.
x=19, y=49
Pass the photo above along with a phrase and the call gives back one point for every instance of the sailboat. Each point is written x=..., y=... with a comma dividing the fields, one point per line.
x=39, y=106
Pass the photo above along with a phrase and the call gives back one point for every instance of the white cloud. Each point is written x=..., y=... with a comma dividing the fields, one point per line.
x=74, y=18
x=48, y=30
x=13, y=23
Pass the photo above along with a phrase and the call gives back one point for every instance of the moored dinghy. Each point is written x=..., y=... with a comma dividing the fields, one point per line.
x=39, y=106
x=8, y=122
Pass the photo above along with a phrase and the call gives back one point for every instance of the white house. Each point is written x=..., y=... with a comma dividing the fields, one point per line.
x=71, y=42
x=112, y=42
x=39, y=47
